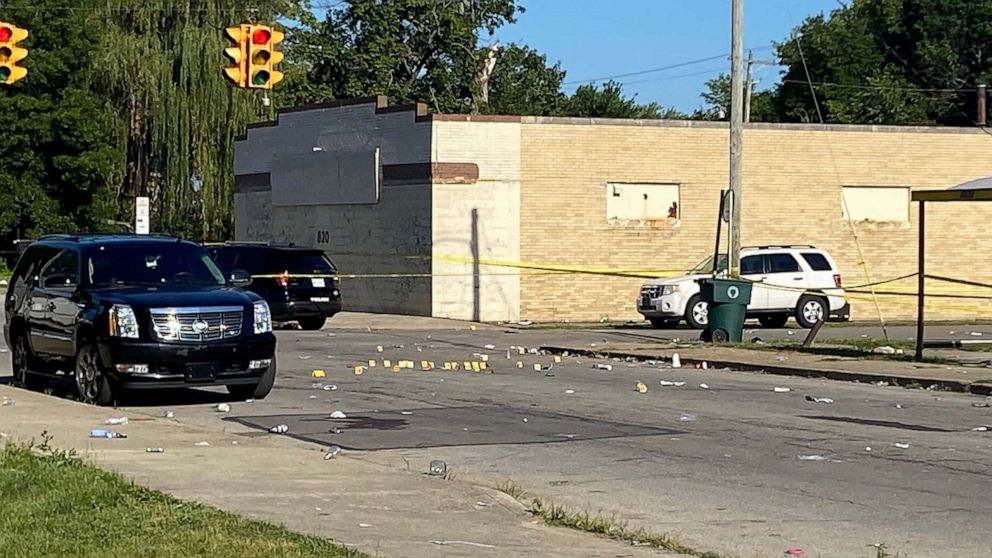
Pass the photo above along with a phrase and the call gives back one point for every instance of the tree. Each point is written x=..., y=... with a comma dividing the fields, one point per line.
x=57, y=152
x=175, y=116
x=409, y=50
x=889, y=62
x=717, y=98
x=522, y=83
x=610, y=102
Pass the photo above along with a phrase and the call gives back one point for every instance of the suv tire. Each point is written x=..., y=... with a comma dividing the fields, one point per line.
x=260, y=390
x=773, y=320
x=664, y=323
x=91, y=382
x=312, y=324
x=696, y=313
x=811, y=309
x=22, y=362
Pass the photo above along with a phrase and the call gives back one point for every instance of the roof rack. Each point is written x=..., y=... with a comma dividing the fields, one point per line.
x=79, y=236
x=783, y=246
x=253, y=243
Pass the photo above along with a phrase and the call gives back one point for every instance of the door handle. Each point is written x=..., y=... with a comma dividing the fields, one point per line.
x=50, y=306
x=797, y=278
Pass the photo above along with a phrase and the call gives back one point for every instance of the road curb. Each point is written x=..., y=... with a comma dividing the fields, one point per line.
x=780, y=370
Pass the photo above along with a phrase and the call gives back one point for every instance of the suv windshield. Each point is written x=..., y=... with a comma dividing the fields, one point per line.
x=706, y=266
x=263, y=261
x=151, y=263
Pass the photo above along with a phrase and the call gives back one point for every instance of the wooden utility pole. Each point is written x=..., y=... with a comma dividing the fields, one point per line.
x=981, y=98
x=736, y=134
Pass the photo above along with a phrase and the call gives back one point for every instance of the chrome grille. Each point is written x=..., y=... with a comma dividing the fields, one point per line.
x=197, y=325
x=653, y=291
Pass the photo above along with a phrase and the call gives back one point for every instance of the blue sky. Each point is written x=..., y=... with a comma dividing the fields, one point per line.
x=597, y=38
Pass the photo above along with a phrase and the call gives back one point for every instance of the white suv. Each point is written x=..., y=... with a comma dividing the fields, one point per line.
x=798, y=281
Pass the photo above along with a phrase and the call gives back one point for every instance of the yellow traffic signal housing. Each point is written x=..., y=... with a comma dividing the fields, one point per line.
x=238, y=54
x=263, y=56
x=11, y=54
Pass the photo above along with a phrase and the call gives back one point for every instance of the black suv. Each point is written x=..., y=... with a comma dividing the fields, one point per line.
x=300, y=284
x=129, y=311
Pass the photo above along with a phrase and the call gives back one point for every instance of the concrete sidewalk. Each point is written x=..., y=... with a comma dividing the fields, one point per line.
x=959, y=377
x=381, y=510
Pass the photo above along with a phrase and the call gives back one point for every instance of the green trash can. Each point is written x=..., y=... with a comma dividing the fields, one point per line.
x=728, y=300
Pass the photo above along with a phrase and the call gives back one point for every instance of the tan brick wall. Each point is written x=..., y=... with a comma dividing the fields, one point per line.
x=459, y=289
x=792, y=195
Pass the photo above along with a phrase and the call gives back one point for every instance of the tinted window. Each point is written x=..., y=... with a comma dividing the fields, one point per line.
x=751, y=265
x=225, y=259
x=268, y=261
x=64, y=264
x=817, y=262
x=29, y=264
x=782, y=263
x=151, y=263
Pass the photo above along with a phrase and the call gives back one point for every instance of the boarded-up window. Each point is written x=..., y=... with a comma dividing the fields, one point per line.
x=885, y=204
x=642, y=202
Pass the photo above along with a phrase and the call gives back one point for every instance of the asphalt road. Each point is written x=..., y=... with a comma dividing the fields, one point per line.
x=736, y=468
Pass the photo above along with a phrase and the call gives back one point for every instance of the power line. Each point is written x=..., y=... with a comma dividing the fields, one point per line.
x=678, y=76
x=658, y=69
x=879, y=87
x=122, y=9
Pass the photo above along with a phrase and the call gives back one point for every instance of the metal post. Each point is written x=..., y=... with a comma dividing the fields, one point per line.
x=981, y=100
x=736, y=134
x=920, y=280
x=719, y=226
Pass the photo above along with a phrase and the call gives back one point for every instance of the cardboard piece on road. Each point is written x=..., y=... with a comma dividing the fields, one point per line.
x=318, y=374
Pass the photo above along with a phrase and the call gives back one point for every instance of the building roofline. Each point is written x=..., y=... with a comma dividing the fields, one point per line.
x=421, y=113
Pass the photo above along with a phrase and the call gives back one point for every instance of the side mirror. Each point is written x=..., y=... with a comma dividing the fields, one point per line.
x=58, y=282
x=240, y=278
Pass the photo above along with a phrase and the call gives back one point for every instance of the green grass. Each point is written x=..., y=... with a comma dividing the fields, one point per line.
x=54, y=504
x=559, y=516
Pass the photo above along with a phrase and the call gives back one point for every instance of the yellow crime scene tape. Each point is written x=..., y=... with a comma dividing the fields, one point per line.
x=963, y=296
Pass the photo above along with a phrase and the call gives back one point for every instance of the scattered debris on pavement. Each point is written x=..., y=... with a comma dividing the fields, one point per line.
x=202, y=444
x=811, y=458
x=463, y=543
x=318, y=373
x=279, y=429
x=116, y=421
x=668, y=383
x=686, y=417
x=704, y=386
x=813, y=399
x=332, y=452
x=641, y=388
x=168, y=414
x=154, y=450
x=104, y=433
x=884, y=350
x=901, y=445
x=676, y=360
x=223, y=408
x=606, y=367
x=338, y=415
x=782, y=390
x=7, y=402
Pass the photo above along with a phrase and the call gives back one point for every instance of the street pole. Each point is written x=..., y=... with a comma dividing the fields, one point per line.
x=736, y=134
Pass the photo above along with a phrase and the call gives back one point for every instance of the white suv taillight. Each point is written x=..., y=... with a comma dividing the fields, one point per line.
x=837, y=281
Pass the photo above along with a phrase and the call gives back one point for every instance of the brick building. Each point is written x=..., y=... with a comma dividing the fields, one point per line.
x=432, y=209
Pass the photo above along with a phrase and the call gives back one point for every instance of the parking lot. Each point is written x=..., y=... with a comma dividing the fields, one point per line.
x=723, y=461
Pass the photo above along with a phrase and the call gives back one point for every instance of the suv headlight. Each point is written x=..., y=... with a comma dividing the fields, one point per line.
x=669, y=290
x=123, y=322
x=263, y=319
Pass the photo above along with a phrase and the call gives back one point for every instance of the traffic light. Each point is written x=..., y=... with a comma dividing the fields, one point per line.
x=263, y=56
x=11, y=54
x=237, y=54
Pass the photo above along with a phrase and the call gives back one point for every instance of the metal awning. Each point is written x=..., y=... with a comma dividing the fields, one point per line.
x=977, y=190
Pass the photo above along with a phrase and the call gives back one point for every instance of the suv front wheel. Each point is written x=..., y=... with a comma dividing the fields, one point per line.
x=91, y=382
x=811, y=309
x=242, y=392
x=697, y=313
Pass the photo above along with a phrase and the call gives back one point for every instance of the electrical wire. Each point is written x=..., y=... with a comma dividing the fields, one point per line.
x=658, y=69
